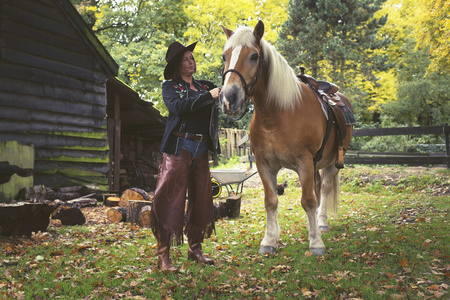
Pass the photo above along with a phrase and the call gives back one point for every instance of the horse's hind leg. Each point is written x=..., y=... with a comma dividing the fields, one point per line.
x=329, y=195
x=270, y=242
x=309, y=204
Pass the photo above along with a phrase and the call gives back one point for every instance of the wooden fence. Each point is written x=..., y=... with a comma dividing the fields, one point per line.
x=380, y=158
x=231, y=142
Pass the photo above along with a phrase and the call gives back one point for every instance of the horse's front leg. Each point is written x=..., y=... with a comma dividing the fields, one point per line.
x=270, y=242
x=309, y=204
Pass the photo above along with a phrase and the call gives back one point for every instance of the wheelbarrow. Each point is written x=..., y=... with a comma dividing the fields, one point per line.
x=226, y=178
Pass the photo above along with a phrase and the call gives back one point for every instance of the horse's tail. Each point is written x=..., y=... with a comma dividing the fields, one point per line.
x=333, y=201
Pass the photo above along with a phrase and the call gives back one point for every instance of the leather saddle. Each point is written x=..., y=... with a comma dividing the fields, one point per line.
x=327, y=92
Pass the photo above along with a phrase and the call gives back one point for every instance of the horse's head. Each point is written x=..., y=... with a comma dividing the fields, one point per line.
x=243, y=61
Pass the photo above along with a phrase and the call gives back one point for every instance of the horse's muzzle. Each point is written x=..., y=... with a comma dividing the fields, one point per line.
x=231, y=100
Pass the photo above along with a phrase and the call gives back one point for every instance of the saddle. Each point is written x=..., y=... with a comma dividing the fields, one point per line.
x=327, y=94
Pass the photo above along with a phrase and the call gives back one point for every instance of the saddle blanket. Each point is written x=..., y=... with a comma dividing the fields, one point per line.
x=346, y=112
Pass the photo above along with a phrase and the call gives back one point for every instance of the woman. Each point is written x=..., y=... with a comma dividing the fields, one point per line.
x=191, y=130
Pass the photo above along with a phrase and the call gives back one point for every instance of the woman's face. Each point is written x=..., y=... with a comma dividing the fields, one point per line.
x=188, y=66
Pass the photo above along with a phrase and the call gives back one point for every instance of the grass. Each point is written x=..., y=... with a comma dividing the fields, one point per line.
x=389, y=241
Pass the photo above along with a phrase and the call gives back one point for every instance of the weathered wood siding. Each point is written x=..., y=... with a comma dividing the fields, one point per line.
x=53, y=92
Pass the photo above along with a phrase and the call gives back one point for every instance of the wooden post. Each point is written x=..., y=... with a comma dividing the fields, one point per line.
x=446, y=130
x=117, y=127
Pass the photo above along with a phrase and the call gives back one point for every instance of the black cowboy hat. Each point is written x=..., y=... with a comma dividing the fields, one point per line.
x=173, y=53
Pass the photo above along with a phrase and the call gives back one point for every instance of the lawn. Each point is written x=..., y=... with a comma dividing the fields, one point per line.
x=389, y=241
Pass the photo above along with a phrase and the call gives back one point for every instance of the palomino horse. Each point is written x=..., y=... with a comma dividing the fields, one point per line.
x=286, y=131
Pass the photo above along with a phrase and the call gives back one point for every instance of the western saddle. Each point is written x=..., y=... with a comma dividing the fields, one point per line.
x=326, y=92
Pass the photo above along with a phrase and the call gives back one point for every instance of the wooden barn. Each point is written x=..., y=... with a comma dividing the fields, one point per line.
x=59, y=94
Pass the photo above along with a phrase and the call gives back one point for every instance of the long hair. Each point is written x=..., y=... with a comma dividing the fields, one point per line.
x=283, y=89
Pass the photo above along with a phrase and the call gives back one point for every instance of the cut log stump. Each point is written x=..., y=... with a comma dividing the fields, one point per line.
x=117, y=214
x=112, y=201
x=69, y=215
x=144, y=216
x=134, y=209
x=233, y=206
x=133, y=194
x=24, y=218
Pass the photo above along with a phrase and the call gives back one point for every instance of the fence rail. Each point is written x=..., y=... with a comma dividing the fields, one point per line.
x=379, y=158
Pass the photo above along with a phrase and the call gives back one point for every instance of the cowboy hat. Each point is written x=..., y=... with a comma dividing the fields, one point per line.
x=172, y=55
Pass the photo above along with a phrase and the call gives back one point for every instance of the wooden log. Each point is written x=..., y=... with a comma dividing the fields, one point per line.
x=133, y=194
x=83, y=202
x=69, y=215
x=24, y=218
x=117, y=214
x=144, y=216
x=112, y=201
x=233, y=206
x=134, y=208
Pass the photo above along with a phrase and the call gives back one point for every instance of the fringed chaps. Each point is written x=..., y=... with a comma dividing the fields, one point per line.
x=169, y=203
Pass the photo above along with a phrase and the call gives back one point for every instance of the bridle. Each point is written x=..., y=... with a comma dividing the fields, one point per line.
x=248, y=87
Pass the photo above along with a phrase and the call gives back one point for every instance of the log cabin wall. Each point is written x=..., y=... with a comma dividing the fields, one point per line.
x=53, y=74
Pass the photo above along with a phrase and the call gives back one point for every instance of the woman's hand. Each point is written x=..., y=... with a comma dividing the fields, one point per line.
x=215, y=92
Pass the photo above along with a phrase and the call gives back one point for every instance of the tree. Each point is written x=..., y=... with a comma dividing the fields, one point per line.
x=205, y=18
x=421, y=95
x=433, y=32
x=338, y=41
x=137, y=34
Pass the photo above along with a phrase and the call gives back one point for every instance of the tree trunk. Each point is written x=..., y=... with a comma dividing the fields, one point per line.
x=144, y=216
x=134, y=209
x=117, y=214
x=23, y=218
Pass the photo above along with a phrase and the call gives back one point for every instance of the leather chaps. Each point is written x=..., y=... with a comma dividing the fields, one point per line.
x=176, y=174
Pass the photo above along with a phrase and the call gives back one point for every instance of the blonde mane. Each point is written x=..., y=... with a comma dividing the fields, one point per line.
x=284, y=88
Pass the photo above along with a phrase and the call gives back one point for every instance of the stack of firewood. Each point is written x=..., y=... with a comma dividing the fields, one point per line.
x=133, y=206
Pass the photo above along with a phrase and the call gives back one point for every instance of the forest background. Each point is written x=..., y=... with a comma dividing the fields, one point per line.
x=390, y=57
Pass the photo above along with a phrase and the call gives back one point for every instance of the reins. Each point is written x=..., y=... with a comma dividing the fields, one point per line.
x=248, y=88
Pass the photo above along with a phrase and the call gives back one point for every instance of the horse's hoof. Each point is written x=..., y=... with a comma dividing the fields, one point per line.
x=318, y=251
x=323, y=228
x=267, y=250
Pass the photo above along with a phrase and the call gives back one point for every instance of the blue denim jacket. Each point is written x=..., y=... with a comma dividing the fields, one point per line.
x=177, y=99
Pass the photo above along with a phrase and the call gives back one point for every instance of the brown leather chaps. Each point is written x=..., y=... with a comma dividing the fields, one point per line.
x=176, y=174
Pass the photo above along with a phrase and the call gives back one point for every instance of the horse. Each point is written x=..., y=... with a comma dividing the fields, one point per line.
x=287, y=130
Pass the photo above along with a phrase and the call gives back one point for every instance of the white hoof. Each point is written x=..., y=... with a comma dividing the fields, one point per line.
x=323, y=228
x=267, y=250
x=318, y=251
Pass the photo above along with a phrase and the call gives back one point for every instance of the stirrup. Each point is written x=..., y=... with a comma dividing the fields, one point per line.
x=340, y=161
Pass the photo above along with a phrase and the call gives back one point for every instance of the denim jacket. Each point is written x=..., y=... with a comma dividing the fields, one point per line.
x=177, y=99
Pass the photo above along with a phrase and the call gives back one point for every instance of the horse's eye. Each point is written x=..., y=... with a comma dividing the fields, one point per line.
x=224, y=57
x=254, y=56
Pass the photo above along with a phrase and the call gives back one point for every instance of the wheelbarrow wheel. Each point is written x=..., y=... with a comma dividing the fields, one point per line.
x=216, y=188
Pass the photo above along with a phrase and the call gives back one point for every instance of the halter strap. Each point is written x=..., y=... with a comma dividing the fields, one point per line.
x=248, y=88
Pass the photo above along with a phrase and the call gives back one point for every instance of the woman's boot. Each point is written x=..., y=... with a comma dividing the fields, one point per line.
x=195, y=252
x=164, y=262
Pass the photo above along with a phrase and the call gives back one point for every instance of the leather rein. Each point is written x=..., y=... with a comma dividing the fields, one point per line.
x=248, y=87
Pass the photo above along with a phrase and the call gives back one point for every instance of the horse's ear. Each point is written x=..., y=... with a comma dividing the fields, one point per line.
x=227, y=31
x=259, y=31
